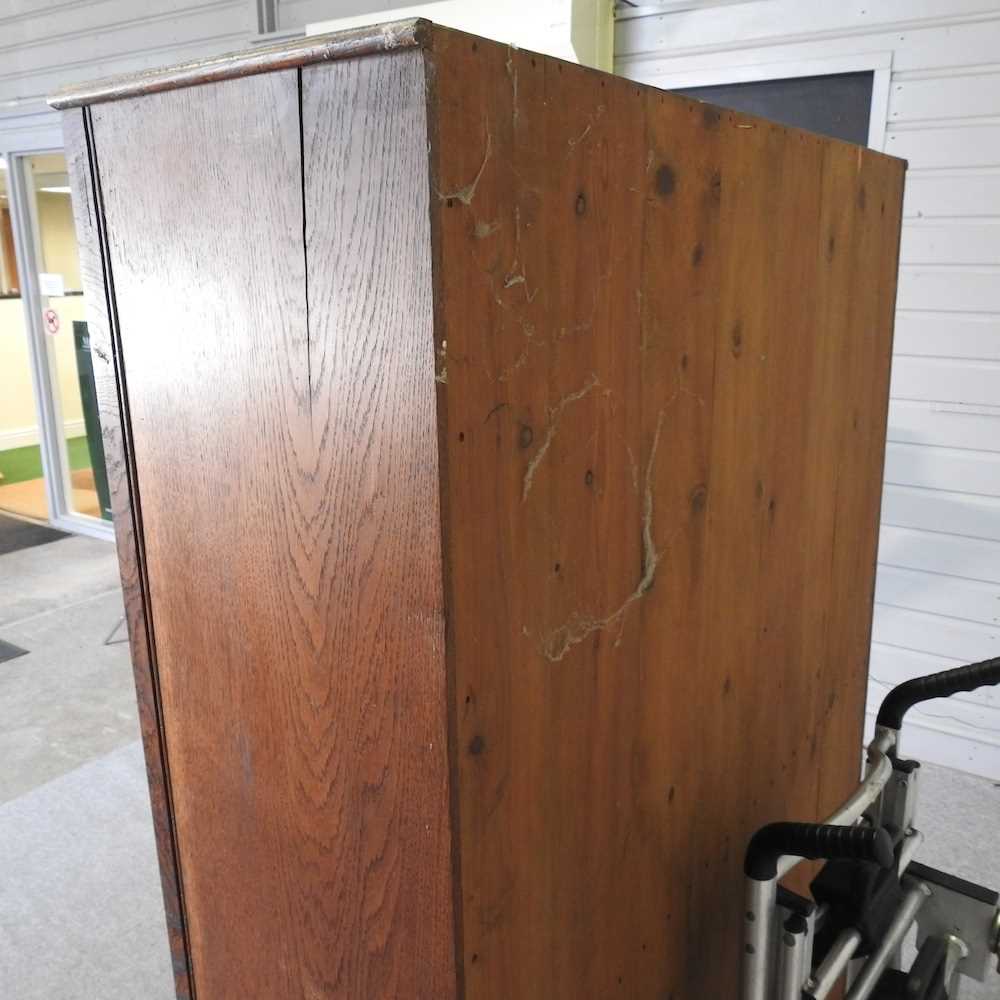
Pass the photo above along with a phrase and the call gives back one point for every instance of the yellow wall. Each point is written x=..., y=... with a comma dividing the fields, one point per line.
x=58, y=256
x=17, y=403
x=59, y=251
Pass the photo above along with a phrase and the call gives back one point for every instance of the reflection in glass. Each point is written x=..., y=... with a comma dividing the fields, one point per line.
x=22, y=489
x=65, y=325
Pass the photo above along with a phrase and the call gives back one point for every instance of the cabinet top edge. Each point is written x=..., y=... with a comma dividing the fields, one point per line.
x=367, y=40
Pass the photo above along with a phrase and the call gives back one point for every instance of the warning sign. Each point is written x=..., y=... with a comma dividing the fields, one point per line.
x=51, y=318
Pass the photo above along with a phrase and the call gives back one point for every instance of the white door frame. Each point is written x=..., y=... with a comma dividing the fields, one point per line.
x=877, y=63
x=55, y=467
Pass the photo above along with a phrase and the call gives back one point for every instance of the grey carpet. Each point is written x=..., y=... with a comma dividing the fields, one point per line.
x=16, y=534
x=50, y=578
x=71, y=699
x=81, y=917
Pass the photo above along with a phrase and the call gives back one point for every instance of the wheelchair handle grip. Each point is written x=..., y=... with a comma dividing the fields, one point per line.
x=941, y=685
x=814, y=840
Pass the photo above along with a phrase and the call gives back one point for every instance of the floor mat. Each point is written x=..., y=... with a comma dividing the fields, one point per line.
x=8, y=651
x=16, y=534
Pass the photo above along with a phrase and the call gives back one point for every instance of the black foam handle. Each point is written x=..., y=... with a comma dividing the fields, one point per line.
x=814, y=840
x=942, y=685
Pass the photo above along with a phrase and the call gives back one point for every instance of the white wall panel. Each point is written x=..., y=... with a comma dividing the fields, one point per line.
x=965, y=96
x=956, y=242
x=954, y=513
x=952, y=195
x=299, y=13
x=971, y=600
x=946, y=380
x=949, y=289
x=46, y=45
x=30, y=129
x=945, y=334
x=944, y=425
x=940, y=552
x=46, y=22
x=954, y=469
x=768, y=22
x=919, y=48
x=35, y=70
x=965, y=641
x=950, y=146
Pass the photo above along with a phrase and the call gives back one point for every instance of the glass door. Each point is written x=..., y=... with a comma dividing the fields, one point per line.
x=20, y=457
x=55, y=470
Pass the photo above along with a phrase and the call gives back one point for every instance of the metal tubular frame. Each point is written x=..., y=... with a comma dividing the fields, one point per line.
x=833, y=966
x=792, y=971
x=777, y=964
x=867, y=979
x=759, y=939
x=759, y=920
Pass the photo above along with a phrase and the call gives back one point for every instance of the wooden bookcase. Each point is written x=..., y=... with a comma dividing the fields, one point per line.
x=496, y=449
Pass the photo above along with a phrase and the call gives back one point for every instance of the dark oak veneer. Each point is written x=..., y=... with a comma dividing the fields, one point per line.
x=496, y=451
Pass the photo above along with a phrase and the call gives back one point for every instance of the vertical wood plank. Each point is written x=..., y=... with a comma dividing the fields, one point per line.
x=372, y=370
x=98, y=289
x=286, y=465
x=666, y=332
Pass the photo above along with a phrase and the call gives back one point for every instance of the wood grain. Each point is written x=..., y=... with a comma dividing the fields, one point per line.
x=372, y=377
x=667, y=332
x=98, y=289
x=285, y=450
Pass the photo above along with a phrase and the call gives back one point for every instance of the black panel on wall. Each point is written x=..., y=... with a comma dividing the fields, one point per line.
x=837, y=105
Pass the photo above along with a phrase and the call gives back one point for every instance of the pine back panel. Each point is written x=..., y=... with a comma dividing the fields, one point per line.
x=664, y=339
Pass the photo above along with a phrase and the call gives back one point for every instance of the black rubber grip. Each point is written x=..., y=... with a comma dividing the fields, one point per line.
x=814, y=840
x=942, y=685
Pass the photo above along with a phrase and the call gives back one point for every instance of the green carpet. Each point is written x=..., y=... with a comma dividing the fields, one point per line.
x=17, y=465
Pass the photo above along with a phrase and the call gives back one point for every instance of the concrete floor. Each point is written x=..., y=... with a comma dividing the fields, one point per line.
x=80, y=909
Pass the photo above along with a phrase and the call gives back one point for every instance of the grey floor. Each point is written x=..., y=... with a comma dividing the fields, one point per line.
x=81, y=916
x=80, y=910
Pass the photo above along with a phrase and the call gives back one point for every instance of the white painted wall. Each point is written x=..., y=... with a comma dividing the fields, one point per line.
x=938, y=588
x=575, y=30
x=547, y=32
x=46, y=44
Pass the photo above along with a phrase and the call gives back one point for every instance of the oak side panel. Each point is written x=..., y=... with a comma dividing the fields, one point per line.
x=286, y=465
x=664, y=335
x=97, y=285
x=372, y=371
